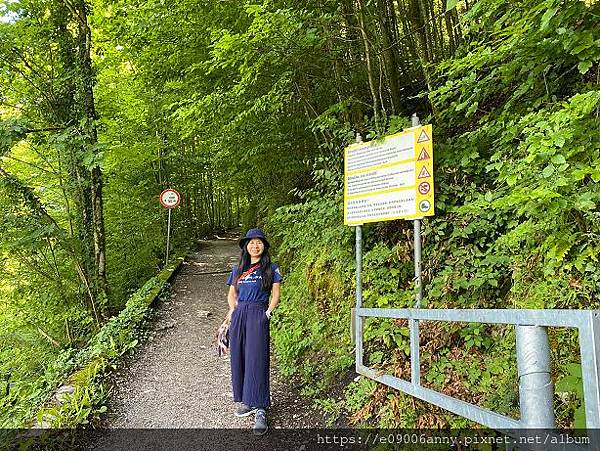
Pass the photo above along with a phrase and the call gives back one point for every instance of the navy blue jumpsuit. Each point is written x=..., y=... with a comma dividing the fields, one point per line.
x=249, y=339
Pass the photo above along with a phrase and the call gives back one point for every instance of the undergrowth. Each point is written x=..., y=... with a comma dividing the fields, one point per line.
x=85, y=369
x=517, y=149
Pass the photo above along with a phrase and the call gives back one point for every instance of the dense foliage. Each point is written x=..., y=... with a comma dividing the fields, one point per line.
x=515, y=113
x=244, y=107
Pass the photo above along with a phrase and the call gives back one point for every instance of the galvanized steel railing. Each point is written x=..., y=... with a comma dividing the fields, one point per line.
x=533, y=354
x=533, y=358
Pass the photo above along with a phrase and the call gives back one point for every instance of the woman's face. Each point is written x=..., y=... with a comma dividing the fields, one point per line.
x=255, y=247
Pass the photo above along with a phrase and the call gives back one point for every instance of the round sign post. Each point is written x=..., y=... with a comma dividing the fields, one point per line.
x=169, y=199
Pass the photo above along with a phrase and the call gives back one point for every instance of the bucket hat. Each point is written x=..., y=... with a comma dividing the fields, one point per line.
x=254, y=233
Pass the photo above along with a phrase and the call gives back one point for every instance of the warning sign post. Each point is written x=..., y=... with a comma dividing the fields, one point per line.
x=390, y=178
x=169, y=198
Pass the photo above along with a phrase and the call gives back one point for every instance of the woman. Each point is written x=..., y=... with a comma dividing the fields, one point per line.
x=251, y=282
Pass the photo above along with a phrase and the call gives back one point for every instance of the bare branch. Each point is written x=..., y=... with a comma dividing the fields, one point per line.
x=30, y=164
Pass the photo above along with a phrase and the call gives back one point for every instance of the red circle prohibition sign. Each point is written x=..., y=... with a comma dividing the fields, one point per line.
x=169, y=198
x=424, y=187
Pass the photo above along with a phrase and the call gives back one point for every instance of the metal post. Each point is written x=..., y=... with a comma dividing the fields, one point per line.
x=589, y=342
x=358, y=318
x=168, y=235
x=415, y=360
x=417, y=245
x=417, y=241
x=535, y=387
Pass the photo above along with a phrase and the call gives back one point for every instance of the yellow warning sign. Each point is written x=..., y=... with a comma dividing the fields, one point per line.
x=390, y=178
x=423, y=155
x=423, y=137
x=424, y=195
x=424, y=174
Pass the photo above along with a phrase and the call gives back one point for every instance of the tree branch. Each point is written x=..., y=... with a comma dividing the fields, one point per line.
x=47, y=129
x=30, y=164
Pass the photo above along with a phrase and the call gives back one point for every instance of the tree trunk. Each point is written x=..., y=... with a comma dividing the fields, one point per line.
x=211, y=201
x=65, y=111
x=450, y=30
x=88, y=112
x=365, y=39
x=389, y=53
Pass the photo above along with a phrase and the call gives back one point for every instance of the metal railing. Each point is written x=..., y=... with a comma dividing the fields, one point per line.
x=533, y=353
x=533, y=358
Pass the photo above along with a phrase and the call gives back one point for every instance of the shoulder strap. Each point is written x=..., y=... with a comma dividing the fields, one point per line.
x=250, y=271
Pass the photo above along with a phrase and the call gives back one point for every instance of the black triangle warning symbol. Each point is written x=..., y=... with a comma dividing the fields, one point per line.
x=423, y=155
x=423, y=137
x=424, y=173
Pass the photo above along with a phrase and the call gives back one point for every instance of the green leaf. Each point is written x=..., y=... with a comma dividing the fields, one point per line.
x=585, y=205
x=584, y=66
x=548, y=15
x=567, y=384
x=580, y=418
x=548, y=171
x=451, y=4
x=574, y=369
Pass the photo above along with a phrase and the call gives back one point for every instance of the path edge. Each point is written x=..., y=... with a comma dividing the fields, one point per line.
x=101, y=356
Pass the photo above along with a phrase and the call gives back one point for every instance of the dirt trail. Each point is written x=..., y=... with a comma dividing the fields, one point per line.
x=176, y=380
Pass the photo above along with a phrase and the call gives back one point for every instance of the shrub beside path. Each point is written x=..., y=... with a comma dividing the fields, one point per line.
x=176, y=379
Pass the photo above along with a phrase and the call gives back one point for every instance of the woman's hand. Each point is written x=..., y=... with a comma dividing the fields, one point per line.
x=275, y=293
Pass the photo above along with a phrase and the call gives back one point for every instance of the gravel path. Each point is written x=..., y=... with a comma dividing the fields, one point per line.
x=176, y=380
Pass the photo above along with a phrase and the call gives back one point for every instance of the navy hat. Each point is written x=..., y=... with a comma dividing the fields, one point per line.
x=254, y=233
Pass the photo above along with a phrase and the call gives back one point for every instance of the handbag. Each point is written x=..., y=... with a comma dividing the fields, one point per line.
x=223, y=339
